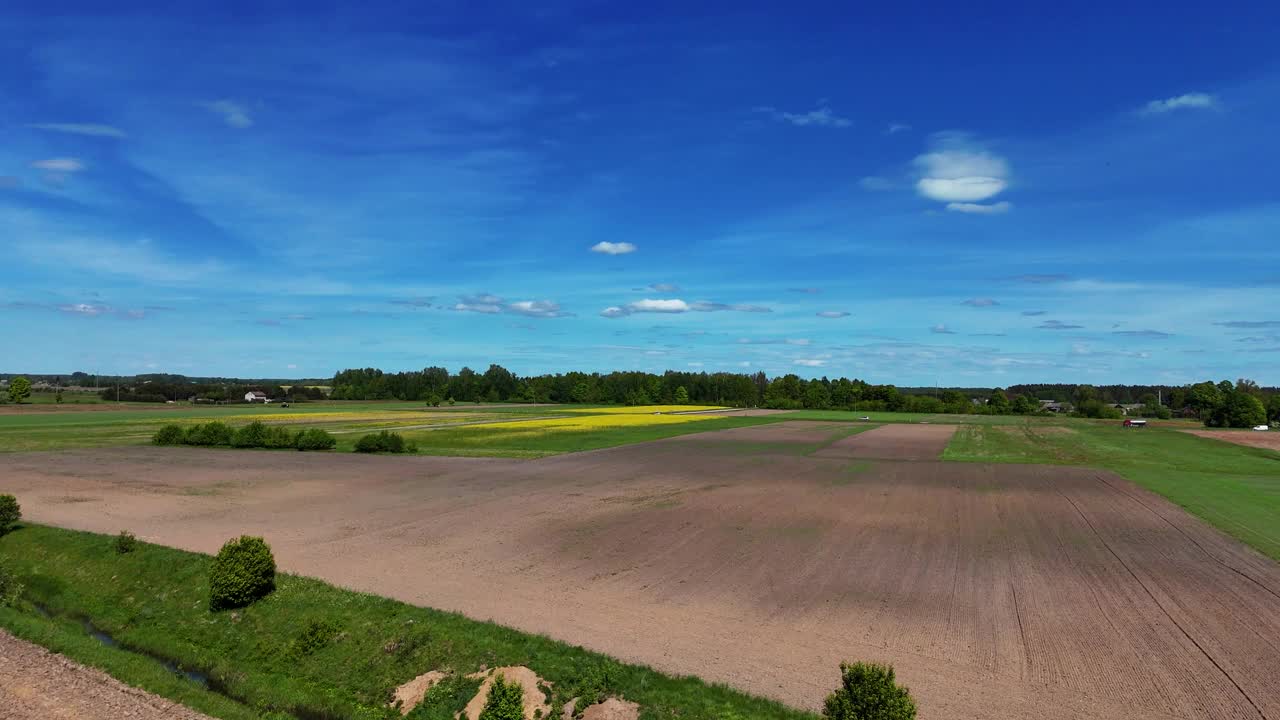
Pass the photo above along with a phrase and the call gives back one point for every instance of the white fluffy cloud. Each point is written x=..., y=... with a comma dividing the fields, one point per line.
x=998, y=208
x=1202, y=101
x=59, y=165
x=956, y=172
x=613, y=248
x=90, y=129
x=810, y=362
x=676, y=305
x=233, y=114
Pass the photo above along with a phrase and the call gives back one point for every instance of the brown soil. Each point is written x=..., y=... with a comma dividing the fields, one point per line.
x=36, y=684
x=894, y=442
x=535, y=704
x=801, y=432
x=1269, y=440
x=411, y=693
x=612, y=709
x=997, y=591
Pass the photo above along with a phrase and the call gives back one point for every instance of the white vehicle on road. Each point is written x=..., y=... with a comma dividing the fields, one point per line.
x=1261, y=427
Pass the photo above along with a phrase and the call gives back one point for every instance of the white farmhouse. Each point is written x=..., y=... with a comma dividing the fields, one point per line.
x=256, y=396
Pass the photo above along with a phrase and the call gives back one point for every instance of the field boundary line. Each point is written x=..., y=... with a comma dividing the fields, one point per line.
x=438, y=426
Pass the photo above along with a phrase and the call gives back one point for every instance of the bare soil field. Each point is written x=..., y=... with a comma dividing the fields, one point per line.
x=1266, y=440
x=998, y=591
x=894, y=442
x=36, y=684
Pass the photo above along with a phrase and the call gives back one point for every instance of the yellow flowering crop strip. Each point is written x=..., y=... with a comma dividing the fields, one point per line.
x=645, y=409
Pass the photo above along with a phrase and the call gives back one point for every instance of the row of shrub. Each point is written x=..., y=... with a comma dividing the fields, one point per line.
x=254, y=435
x=384, y=442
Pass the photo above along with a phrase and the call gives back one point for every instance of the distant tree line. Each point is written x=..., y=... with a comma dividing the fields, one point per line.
x=1227, y=405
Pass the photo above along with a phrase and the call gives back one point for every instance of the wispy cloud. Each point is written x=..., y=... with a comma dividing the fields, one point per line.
x=675, y=306
x=832, y=314
x=895, y=128
x=998, y=208
x=233, y=113
x=774, y=341
x=487, y=304
x=415, y=302
x=1057, y=325
x=664, y=287
x=59, y=165
x=1034, y=313
x=1249, y=323
x=613, y=248
x=1142, y=333
x=90, y=129
x=810, y=362
x=806, y=290
x=822, y=116
x=941, y=330
x=980, y=302
x=85, y=309
x=1189, y=101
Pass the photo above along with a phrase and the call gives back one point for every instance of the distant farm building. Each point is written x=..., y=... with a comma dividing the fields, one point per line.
x=256, y=396
x=1053, y=406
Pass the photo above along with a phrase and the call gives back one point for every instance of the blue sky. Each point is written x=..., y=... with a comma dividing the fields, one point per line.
x=916, y=194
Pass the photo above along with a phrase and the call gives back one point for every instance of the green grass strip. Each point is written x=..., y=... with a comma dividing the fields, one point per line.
x=155, y=600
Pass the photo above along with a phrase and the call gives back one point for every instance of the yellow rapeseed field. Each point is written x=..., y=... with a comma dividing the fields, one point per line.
x=594, y=422
x=645, y=409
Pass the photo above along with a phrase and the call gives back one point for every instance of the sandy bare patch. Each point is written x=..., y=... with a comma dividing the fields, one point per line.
x=1003, y=592
x=411, y=693
x=535, y=702
x=893, y=442
x=612, y=709
x=1269, y=440
x=36, y=684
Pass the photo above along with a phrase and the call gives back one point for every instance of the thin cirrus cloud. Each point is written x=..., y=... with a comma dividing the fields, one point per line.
x=774, y=341
x=605, y=247
x=821, y=116
x=962, y=175
x=1142, y=333
x=1034, y=313
x=810, y=362
x=1057, y=325
x=676, y=306
x=832, y=314
x=232, y=113
x=980, y=302
x=59, y=165
x=1247, y=324
x=998, y=208
x=941, y=330
x=90, y=129
x=1189, y=101
x=487, y=304
x=1040, y=278
x=665, y=287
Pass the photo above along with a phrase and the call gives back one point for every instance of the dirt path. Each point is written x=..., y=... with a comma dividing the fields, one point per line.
x=998, y=591
x=36, y=684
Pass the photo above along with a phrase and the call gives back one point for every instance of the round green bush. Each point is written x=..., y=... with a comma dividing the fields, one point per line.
x=252, y=435
x=125, y=542
x=385, y=441
x=243, y=571
x=10, y=513
x=209, y=434
x=171, y=434
x=505, y=701
x=315, y=439
x=868, y=691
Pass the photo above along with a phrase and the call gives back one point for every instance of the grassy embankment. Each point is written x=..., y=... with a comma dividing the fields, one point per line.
x=155, y=600
x=1234, y=488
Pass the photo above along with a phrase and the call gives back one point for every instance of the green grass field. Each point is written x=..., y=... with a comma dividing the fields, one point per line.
x=1234, y=488
x=155, y=600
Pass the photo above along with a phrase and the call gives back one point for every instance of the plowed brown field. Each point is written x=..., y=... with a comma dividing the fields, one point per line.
x=1269, y=440
x=997, y=591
